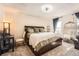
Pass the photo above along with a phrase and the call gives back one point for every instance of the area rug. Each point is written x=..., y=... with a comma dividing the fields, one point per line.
x=65, y=49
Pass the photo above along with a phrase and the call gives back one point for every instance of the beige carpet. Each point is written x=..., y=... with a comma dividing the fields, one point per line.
x=19, y=51
x=25, y=51
x=61, y=50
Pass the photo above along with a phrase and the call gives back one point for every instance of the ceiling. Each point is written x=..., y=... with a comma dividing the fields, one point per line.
x=34, y=9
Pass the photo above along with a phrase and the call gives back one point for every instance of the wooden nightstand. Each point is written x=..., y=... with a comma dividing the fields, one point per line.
x=11, y=41
x=6, y=43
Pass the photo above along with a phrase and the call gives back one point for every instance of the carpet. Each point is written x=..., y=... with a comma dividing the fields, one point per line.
x=65, y=49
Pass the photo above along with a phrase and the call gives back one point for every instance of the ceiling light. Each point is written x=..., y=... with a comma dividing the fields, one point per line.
x=47, y=8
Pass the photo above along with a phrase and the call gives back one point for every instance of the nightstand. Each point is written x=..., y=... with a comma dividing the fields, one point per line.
x=9, y=39
x=6, y=43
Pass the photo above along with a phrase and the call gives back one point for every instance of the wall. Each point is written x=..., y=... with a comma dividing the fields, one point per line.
x=19, y=20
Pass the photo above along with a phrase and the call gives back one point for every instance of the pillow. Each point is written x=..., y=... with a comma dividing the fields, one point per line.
x=41, y=29
x=30, y=30
x=36, y=30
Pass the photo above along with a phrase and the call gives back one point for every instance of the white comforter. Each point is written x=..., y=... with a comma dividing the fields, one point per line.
x=35, y=38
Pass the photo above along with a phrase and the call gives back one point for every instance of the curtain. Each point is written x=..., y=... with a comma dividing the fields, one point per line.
x=55, y=21
x=58, y=27
x=77, y=15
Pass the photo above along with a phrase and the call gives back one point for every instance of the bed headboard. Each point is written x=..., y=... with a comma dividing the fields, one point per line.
x=32, y=29
x=40, y=28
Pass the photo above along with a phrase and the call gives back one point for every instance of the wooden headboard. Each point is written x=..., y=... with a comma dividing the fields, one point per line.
x=25, y=27
x=26, y=31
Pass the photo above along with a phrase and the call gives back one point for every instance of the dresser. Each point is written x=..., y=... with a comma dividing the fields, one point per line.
x=6, y=43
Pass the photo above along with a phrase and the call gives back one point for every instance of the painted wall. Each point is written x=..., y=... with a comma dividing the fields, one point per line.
x=19, y=20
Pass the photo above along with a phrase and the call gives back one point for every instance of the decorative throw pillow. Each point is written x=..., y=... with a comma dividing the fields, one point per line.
x=30, y=30
x=41, y=29
x=36, y=30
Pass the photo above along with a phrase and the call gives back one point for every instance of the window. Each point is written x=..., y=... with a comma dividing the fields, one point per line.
x=58, y=27
x=77, y=16
x=78, y=21
x=77, y=24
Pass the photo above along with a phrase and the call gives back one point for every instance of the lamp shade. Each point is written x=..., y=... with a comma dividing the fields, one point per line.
x=6, y=27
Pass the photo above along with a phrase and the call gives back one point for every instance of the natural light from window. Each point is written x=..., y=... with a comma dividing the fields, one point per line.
x=58, y=27
x=77, y=21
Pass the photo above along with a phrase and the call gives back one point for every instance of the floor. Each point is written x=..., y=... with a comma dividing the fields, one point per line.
x=65, y=49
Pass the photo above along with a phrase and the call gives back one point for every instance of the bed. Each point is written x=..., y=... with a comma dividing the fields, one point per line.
x=40, y=41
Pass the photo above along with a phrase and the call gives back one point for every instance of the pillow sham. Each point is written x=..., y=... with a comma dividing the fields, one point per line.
x=30, y=30
x=41, y=30
x=36, y=30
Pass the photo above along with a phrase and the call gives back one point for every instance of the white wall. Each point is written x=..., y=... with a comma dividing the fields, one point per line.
x=19, y=20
